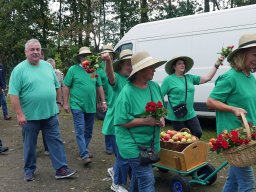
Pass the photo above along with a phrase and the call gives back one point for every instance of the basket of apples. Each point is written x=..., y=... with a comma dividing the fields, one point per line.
x=176, y=140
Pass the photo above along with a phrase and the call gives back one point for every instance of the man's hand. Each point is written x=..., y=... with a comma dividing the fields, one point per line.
x=105, y=57
x=104, y=107
x=66, y=108
x=21, y=119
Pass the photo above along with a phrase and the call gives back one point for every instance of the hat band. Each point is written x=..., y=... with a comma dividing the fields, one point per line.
x=128, y=55
x=108, y=50
x=247, y=43
x=142, y=62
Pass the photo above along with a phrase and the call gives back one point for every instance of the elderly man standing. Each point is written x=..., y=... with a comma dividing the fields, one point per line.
x=80, y=89
x=32, y=90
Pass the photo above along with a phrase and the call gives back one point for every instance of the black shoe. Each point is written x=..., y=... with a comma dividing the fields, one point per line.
x=3, y=149
x=7, y=118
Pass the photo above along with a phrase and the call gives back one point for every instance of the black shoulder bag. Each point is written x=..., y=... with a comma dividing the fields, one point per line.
x=147, y=155
x=181, y=109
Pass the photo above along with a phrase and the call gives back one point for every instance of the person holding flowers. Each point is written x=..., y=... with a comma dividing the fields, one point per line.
x=117, y=74
x=234, y=93
x=134, y=129
x=81, y=83
x=179, y=87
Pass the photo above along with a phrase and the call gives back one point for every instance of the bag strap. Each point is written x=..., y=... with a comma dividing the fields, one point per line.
x=153, y=139
x=186, y=90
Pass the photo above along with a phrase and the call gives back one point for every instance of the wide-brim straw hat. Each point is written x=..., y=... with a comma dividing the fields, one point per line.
x=107, y=49
x=82, y=51
x=142, y=60
x=245, y=41
x=125, y=54
x=187, y=60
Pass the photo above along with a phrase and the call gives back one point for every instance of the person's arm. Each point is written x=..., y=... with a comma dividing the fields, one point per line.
x=15, y=101
x=212, y=72
x=66, y=91
x=149, y=121
x=59, y=97
x=109, y=68
x=101, y=94
x=220, y=106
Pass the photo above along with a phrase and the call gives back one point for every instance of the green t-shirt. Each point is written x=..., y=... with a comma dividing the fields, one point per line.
x=175, y=88
x=235, y=89
x=36, y=88
x=82, y=89
x=104, y=79
x=130, y=104
x=108, y=124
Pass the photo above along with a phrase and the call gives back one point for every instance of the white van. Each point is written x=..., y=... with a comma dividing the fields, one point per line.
x=199, y=36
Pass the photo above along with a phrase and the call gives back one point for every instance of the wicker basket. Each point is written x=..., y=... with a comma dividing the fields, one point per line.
x=174, y=146
x=244, y=155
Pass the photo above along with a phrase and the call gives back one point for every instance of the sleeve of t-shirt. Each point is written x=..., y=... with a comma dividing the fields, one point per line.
x=115, y=85
x=223, y=88
x=195, y=79
x=165, y=87
x=122, y=110
x=15, y=83
x=68, y=78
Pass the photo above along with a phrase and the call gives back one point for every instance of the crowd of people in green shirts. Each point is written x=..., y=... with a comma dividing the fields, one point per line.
x=121, y=89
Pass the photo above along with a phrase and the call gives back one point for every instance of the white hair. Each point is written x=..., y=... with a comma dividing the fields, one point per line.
x=31, y=41
x=50, y=60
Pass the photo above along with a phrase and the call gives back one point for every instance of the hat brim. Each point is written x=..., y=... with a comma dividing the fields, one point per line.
x=188, y=63
x=76, y=57
x=233, y=53
x=116, y=63
x=152, y=62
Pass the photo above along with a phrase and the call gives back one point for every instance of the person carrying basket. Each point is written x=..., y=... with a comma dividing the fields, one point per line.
x=234, y=94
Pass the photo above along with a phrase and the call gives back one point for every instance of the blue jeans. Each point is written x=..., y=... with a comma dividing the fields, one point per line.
x=108, y=143
x=240, y=179
x=142, y=177
x=83, y=123
x=121, y=165
x=51, y=133
x=3, y=104
x=193, y=124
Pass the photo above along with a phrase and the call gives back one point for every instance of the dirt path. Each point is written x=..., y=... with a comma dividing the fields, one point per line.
x=89, y=179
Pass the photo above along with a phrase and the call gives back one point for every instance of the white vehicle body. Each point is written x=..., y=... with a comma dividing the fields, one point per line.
x=199, y=36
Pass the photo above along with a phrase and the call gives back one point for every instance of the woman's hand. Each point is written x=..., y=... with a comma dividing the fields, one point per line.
x=154, y=122
x=237, y=111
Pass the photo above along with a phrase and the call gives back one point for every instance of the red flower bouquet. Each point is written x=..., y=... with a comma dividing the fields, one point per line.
x=226, y=140
x=155, y=110
x=224, y=53
x=91, y=65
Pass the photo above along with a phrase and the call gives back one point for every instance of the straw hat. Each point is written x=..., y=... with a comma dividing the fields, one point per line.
x=125, y=54
x=245, y=41
x=187, y=60
x=107, y=49
x=82, y=51
x=142, y=60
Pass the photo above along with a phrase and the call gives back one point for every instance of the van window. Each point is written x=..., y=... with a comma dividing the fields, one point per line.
x=123, y=47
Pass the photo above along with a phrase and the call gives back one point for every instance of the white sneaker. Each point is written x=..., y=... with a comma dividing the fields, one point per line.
x=111, y=173
x=117, y=188
x=46, y=153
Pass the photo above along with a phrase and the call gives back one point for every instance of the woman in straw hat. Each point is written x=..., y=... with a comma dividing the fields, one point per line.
x=179, y=87
x=117, y=76
x=80, y=90
x=131, y=129
x=234, y=93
